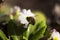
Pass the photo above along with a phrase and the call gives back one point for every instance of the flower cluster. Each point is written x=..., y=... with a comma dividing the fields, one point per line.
x=55, y=35
x=21, y=15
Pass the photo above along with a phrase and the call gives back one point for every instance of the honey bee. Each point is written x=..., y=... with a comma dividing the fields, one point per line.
x=31, y=20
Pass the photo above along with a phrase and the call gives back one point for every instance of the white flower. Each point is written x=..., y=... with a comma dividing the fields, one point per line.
x=23, y=15
x=15, y=9
x=14, y=12
x=55, y=35
x=27, y=13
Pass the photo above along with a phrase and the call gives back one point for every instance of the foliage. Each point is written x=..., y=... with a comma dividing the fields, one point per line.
x=33, y=32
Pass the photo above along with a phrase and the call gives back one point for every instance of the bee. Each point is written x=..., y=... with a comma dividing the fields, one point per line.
x=31, y=20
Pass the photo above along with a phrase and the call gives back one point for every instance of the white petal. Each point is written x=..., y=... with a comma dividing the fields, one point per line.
x=17, y=8
x=30, y=14
x=55, y=34
x=14, y=9
x=23, y=20
x=24, y=11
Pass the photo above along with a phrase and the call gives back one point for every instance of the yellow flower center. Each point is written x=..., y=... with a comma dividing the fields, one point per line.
x=55, y=38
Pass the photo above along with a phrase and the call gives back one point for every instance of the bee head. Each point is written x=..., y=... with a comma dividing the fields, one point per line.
x=31, y=20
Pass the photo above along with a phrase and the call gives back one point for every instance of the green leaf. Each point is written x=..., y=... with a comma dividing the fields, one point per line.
x=2, y=35
x=28, y=31
x=38, y=34
x=13, y=31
